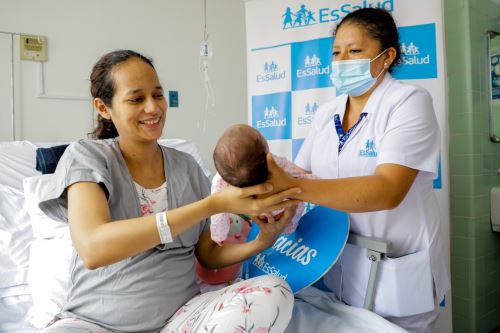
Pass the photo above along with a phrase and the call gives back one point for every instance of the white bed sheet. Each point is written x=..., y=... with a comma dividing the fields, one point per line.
x=319, y=311
x=14, y=314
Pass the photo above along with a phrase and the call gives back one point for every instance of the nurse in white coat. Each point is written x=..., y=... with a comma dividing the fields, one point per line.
x=376, y=149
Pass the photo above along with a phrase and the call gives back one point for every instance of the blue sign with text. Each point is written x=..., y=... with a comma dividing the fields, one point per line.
x=304, y=256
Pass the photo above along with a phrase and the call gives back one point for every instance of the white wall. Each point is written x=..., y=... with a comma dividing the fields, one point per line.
x=79, y=32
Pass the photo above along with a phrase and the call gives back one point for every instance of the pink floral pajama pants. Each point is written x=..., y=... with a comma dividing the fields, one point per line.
x=259, y=305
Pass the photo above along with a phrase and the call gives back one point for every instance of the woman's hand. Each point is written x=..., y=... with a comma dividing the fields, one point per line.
x=243, y=200
x=211, y=255
x=271, y=227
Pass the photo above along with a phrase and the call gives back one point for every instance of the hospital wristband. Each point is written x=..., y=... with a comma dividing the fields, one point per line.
x=163, y=228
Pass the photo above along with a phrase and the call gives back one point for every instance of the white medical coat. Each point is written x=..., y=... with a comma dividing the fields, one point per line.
x=400, y=128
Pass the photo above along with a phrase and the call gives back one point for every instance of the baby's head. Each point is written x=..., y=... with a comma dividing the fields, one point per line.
x=240, y=156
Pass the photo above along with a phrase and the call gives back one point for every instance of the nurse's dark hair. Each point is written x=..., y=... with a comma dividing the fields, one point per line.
x=102, y=86
x=379, y=25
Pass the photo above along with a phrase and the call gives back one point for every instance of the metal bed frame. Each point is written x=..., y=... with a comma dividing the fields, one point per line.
x=376, y=250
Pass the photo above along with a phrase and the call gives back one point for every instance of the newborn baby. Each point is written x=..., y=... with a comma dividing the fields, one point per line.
x=240, y=160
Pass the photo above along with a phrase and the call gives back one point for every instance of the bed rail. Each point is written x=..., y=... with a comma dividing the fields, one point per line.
x=376, y=249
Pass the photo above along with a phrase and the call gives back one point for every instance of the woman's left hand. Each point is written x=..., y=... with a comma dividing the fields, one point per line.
x=211, y=255
x=245, y=200
x=271, y=227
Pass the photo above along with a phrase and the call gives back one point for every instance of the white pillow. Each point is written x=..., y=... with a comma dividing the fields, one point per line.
x=50, y=255
x=43, y=226
x=15, y=238
x=48, y=277
x=17, y=160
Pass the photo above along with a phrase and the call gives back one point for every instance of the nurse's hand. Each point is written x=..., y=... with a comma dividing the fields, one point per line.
x=271, y=227
x=278, y=177
x=244, y=200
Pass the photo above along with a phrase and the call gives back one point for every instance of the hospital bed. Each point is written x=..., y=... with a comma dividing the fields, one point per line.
x=35, y=253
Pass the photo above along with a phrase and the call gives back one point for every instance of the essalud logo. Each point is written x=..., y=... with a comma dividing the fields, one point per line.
x=271, y=119
x=270, y=73
x=270, y=113
x=410, y=55
x=312, y=66
x=370, y=149
x=304, y=17
x=310, y=111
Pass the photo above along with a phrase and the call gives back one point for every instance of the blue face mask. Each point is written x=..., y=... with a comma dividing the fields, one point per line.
x=353, y=77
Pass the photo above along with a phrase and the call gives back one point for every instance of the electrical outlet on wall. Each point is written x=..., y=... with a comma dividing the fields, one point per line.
x=33, y=48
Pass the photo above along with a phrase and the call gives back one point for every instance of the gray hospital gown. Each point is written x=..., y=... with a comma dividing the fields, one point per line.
x=140, y=293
